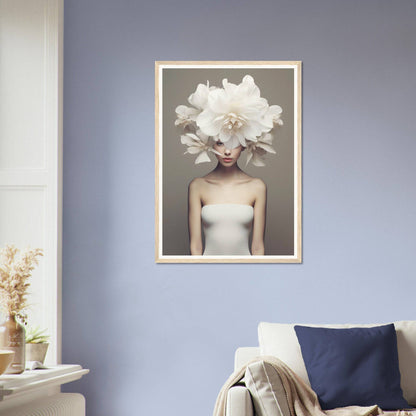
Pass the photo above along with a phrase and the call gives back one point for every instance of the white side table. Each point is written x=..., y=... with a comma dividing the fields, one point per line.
x=35, y=390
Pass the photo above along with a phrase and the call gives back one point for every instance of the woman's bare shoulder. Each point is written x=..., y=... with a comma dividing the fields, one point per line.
x=257, y=183
x=197, y=183
x=258, y=186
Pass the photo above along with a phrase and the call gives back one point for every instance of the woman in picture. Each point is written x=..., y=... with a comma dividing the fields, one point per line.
x=230, y=204
x=227, y=204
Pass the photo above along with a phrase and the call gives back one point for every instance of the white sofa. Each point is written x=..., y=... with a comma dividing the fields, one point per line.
x=280, y=340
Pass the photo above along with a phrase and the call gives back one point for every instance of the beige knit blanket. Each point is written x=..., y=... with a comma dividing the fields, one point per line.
x=302, y=400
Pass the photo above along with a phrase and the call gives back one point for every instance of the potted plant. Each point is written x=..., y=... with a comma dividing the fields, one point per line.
x=16, y=268
x=36, y=344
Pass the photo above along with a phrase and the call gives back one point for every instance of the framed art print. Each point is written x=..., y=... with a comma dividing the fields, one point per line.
x=228, y=162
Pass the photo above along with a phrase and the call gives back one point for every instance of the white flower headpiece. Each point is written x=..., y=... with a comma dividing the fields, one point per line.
x=234, y=115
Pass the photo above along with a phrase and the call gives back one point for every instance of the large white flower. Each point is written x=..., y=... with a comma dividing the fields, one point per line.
x=257, y=150
x=185, y=115
x=235, y=113
x=199, y=144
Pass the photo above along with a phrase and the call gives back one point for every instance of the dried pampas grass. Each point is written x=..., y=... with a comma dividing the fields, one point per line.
x=15, y=269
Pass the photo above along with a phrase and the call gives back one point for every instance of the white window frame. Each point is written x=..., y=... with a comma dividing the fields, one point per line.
x=47, y=178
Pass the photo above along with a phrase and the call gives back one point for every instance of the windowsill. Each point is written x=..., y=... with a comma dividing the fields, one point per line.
x=36, y=383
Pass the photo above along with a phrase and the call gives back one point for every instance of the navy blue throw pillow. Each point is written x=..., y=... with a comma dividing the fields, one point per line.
x=355, y=366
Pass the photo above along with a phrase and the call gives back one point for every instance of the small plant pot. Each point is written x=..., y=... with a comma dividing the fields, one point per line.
x=6, y=358
x=36, y=352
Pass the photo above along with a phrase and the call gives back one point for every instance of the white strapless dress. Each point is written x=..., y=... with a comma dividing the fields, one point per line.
x=227, y=229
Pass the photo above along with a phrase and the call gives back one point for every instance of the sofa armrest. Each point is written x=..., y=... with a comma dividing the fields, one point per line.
x=239, y=402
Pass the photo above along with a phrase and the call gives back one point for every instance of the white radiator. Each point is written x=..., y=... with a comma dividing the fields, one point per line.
x=61, y=404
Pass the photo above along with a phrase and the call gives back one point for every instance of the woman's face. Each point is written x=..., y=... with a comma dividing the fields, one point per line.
x=227, y=157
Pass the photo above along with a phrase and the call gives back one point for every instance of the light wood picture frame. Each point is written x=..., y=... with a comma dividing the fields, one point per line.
x=280, y=83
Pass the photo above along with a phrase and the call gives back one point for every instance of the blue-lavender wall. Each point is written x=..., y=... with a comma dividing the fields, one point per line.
x=159, y=339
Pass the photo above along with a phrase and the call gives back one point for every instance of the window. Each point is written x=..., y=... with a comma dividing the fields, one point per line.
x=31, y=34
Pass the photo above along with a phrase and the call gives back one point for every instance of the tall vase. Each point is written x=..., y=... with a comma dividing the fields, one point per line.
x=12, y=337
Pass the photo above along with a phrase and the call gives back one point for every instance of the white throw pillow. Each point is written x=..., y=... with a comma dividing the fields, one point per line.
x=266, y=390
x=280, y=340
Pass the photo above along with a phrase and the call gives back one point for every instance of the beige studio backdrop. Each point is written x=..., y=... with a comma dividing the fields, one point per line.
x=277, y=86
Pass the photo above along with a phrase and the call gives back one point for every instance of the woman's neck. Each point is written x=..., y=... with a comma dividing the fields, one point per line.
x=224, y=172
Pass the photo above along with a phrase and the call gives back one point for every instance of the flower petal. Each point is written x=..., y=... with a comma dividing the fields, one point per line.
x=229, y=87
x=214, y=151
x=186, y=112
x=225, y=135
x=241, y=138
x=251, y=130
x=202, y=136
x=193, y=150
x=219, y=101
x=200, y=97
x=191, y=139
x=207, y=123
x=249, y=157
x=257, y=161
x=203, y=157
x=266, y=147
x=185, y=139
x=232, y=142
x=276, y=110
x=273, y=116
x=248, y=88
x=266, y=138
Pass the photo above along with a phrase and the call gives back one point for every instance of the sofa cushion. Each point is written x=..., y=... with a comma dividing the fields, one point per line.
x=280, y=340
x=266, y=390
x=355, y=366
